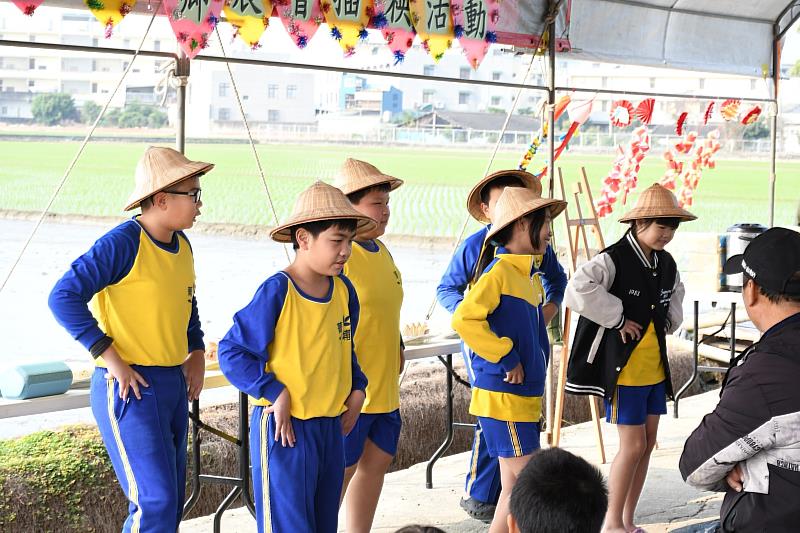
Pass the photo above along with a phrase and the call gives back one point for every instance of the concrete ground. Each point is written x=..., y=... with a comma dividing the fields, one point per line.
x=667, y=502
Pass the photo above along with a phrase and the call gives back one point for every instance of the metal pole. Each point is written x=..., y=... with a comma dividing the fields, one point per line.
x=551, y=92
x=773, y=122
x=181, y=82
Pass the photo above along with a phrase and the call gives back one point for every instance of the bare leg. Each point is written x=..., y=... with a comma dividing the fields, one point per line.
x=365, y=488
x=510, y=467
x=632, y=443
x=651, y=430
x=349, y=472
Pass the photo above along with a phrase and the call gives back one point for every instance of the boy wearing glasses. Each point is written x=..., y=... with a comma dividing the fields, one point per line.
x=130, y=301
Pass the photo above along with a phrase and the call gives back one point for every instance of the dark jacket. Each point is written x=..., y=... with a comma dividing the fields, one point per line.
x=619, y=283
x=755, y=424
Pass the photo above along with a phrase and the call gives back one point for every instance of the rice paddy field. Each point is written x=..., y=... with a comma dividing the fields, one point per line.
x=430, y=204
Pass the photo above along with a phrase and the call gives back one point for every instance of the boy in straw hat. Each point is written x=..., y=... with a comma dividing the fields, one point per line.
x=371, y=446
x=482, y=484
x=291, y=349
x=140, y=280
x=629, y=297
x=501, y=320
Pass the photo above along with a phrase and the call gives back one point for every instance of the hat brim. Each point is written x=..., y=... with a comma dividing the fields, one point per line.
x=283, y=233
x=193, y=169
x=640, y=213
x=474, y=198
x=556, y=208
x=733, y=265
x=394, y=184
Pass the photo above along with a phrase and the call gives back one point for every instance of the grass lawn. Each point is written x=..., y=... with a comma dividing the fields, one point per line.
x=431, y=202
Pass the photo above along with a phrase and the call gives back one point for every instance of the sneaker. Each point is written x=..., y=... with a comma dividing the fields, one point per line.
x=478, y=510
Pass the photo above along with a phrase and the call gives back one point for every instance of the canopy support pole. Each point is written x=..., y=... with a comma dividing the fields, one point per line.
x=551, y=91
x=773, y=121
x=182, y=79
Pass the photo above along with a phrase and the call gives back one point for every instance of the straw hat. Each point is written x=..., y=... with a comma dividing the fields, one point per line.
x=357, y=175
x=474, y=199
x=160, y=168
x=516, y=202
x=321, y=202
x=657, y=201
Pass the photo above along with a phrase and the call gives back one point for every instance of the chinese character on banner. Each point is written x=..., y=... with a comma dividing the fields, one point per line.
x=348, y=20
x=193, y=22
x=433, y=21
x=249, y=18
x=393, y=18
x=475, y=22
x=301, y=18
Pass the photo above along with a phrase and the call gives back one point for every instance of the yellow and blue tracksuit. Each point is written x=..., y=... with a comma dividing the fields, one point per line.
x=501, y=321
x=483, y=478
x=379, y=286
x=141, y=294
x=286, y=339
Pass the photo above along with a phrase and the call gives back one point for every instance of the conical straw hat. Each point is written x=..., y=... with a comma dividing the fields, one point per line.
x=474, y=199
x=160, y=168
x=321, y=202
x=657, y=201
x=516, y=202
x=357, y=175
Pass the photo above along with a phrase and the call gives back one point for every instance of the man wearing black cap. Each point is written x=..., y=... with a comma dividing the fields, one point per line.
x=749, y=446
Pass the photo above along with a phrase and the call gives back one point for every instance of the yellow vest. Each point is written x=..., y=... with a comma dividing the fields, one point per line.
x=644, y=365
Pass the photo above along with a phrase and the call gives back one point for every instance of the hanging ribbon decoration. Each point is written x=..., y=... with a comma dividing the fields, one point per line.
x=689, y=172
x=579, y=112
x=249, y=19
x=475, y=23
x=541, y=135
x=348, y=21
x=621, y=113
x=751, y=116
x=192, y=22
x=301, y=18
x=433, y=21
x=110, y=12
x=27, y=6
x=393, y=18
x=624, y=175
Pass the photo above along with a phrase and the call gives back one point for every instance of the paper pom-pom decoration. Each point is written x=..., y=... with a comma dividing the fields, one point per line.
x=709, y=111
x=621, y=113
x=751, y=116
x=681, y=123
x=28, y=6
x=393, y=18
x=301, y=18
x=730, y=109
x=644, y=111
x=249, y=19
x=348, y=20
x=433, y=22
x=110, y=12
x=192, y=23
x=624, y=175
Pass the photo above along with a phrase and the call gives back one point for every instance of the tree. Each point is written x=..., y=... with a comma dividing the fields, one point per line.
x=756, y=130
x=89, y=112
x=54, y=108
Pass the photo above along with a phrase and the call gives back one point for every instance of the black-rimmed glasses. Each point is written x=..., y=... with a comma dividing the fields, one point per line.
x=194, y=194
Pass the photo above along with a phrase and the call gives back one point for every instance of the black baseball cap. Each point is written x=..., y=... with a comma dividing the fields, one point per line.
x=771, y=260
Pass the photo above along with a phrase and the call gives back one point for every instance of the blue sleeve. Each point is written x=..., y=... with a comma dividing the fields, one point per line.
x=108, y=261
x=243, y=352
x=455, y=280
x=359, y=379
x=194, y=333
x=554, y=279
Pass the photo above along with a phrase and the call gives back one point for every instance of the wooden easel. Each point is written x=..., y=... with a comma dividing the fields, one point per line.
x=576, y=234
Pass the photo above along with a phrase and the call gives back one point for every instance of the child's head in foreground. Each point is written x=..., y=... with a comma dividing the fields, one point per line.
x=558, y=492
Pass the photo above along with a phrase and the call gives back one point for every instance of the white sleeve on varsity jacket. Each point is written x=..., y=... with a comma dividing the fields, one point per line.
x=587, y=293
x=675, y=312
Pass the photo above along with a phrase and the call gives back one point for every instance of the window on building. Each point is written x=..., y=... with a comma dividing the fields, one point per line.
x=463, y=98
x=291, y=92
x=753, y=83
x=124, y=65
x=95, y=42
x=427, y=96
x=463, y=73
x=272, y=91
x=31, y=83
x=652, y=83
x=496, y=100
x=32, y=63
x=223, y=89
x=157, y=45
x=245, y=97
x=428, y=70
x=702, y=83
x=496, y=75
x=604, y=82
x=4, y=110
x=94, y=88
x=224, y=113
x=273, y=115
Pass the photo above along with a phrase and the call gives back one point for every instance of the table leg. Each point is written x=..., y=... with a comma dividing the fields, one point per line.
x=696, y=356
x=195, y=494
x=449, y=439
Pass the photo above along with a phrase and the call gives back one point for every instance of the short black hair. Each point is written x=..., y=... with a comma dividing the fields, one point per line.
x=775, y=297
x=644, y=223
x=355, y=197
x=535, y=220
x=558, y=492
x=419, y=529
x=315, y=228
x=500, y=183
